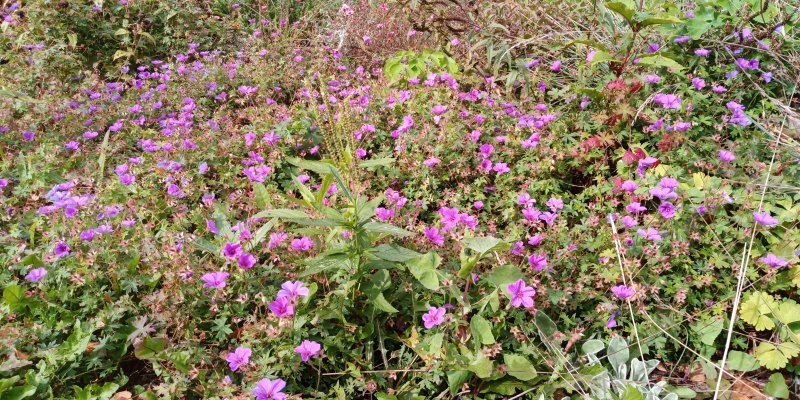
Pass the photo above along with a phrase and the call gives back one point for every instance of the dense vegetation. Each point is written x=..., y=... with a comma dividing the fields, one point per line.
x=406, y=200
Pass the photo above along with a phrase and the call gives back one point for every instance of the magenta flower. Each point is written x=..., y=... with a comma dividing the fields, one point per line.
x=667, y=210
x=763, y=218
x=267, y=389
x=537, y=262
x=501, y=168
x=668, y=101
x=726, y=156
x=231, y=250
x=438, y=110
x=246, y=261
x=431, y=162
x=282, y=307
x=302, y=244
x=35, y=275
x=649, y=234
x=773, y=261
x=214, y=280
x=61, y=249
x=556, y=65
x=293, y=290
x=629, y=186
x=555, y=204
x=635, y=207
x=521, y=294
x=308, y=349
x=433, y=235
x=241, y=356
x=434, y=317
x=622, y=291
x=629, y=221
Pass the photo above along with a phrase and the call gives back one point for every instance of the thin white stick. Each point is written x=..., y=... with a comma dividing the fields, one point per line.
x=617, y=247
x=746, y=252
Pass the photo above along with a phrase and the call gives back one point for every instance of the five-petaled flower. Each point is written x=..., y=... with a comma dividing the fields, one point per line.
x=308, y=349
x=434, y=317
x=267, y=389
x=622, y=291
x=521, y=294
x=239, y=357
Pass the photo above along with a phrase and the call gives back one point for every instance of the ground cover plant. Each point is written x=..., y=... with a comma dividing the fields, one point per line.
x=400, y=200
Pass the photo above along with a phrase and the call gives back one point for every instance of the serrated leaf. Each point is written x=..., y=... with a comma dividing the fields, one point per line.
x=519, y=367
x=12, y=295
x=756, y=310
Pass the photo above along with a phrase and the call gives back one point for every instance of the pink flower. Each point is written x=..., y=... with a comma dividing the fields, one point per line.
x=537, y=262
x=622, y=291
x=35, y=275
x=231, y=250
x=521, y=294
x=726, y=156
x=246, y=261
x=302, y=244
x=241, y=356
x=763, y=218
x=649, y=234
x=308, y=349
x=434, y=317
x=501, y=168
x=267, y=389
x=293, y=290
x=431, y=162
x=433, y=235
x=214, y=280
x=629, y=186
x=282, y=307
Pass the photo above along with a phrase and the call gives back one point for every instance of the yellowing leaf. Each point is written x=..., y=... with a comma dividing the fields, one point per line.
x=699, y=179
x=756, y=310
x=776, y=357
x=794, y=275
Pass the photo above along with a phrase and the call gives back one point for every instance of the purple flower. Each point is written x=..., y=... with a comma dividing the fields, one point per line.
x=434, y=317
x=698, y=83
x=537, y=262
x=763, y=218
x=612, y=321
x=726, y=156
x=555, y=204
x=293, y=290
x=478, y=205
x=231, y=250
x=629, y=186
x=433, y=235
x=682, y=39
x=663, y=193
x=241, y=356
x=556, y=65
x=629, y=221
x=174, y=191
x=267, y=389
x=384, y=214
x=431, y=162
x=282, y=307
x=635, y=207
x=521, y=294
x=61, y=249
x=212, y=227
x=649, y=234
x=652, y=78
x=501, y=168
x=667, y=101
x=35, y=275
x=773, y=261
x=246, y=261
x=87, y=235
x=214, y=280
x=667, y=210
x=702, y=52
x=28, y=136
x=438, y=110
x=302, y=244
x=622, y=291
x=308, y=349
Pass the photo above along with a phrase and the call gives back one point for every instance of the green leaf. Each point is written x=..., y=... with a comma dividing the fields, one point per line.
x=617, y=352
x=776, y=357
x=685, y=392
x=776, y=387
x=386, y=229
x=481, y=366
x=501, y=276
x=150, y=348
x=393, y=252
x=455, y=379
x=485, y=245
x=12, y=295
x=742, y=362
x=424, y=270
x=631, y=393
x=624, y=8
x=33, y=260
x=519, y=367
x=662, y=19
x=262, y=196
x=602, y=56
x=709, y=330
x=547, y=328
x=380, y=303
x=284, y=213
x=325, y=263
x=593, y=346
x=378, y=162
x=204, y=245
x=481, y=330
x=756, y=310
x=320, y=167
x=658, y=60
